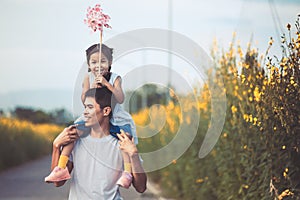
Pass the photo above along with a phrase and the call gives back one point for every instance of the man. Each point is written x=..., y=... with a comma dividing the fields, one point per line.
x=96, y=159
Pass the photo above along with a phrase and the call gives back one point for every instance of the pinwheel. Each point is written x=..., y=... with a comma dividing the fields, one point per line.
x=97, y=20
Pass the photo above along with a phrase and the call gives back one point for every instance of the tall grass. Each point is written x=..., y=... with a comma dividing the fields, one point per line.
x=21, y=141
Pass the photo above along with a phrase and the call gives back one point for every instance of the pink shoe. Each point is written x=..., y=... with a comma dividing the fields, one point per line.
x=125, y=180
x=58, y=174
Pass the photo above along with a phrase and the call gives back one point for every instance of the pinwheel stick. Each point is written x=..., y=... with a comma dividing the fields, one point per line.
x=100, y=50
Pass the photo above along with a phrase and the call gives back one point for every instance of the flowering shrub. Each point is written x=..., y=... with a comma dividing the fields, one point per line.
x=257, y=155
x=21, y=141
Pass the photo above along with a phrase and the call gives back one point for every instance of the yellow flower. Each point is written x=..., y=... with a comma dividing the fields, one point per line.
x=283, y=147
x=240, y=52
x=170, y=106
x=243, y=78
x=254, y=120
x=233, y=109
x=250, y=99
x=284, y=174
x=285, y=193
x=256, y=94
x=245, y=186
x=199, y=180
x=250, y=118
x=246, y=117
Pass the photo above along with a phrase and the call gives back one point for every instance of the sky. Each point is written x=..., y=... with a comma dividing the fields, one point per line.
x=43, y=42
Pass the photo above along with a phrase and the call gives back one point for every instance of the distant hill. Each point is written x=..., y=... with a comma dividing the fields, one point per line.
x=47, y=99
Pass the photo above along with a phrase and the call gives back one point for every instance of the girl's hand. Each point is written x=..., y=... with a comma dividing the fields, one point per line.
x=96, y=83
x=127, y=145
x=100, y=80
x=67, y=136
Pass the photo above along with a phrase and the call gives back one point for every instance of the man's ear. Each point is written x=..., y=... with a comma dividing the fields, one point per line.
x=106, y=111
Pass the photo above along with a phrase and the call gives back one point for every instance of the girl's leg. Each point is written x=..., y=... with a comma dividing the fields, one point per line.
x=127, y=164
x=126, y=178
x=64, y=157
x=61, y=172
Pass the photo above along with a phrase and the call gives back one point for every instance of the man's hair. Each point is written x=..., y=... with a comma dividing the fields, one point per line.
x=103, y=97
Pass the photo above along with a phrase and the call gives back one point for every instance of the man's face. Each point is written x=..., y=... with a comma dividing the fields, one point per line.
x=93, y=113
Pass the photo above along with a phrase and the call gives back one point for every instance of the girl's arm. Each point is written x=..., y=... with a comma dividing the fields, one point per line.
x=85, y=87
x=139, y=180
x=116, y=88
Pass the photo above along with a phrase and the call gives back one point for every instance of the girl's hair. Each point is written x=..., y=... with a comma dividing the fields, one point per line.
x=104, y=49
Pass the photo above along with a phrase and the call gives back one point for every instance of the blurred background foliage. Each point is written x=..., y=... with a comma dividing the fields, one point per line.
x=21, y=141
x=28, y=133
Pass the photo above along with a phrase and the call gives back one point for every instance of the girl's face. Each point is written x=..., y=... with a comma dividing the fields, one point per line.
x=94, y=64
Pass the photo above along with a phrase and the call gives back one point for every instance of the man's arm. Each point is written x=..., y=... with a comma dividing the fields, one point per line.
x=139, y=176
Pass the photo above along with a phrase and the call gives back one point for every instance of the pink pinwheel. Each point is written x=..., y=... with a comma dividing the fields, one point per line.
x=96, y=19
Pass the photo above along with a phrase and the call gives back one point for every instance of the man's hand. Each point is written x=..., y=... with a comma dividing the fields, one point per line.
x=67, y=136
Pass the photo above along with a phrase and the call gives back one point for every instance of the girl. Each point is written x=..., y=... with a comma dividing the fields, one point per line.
x=99, y=75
